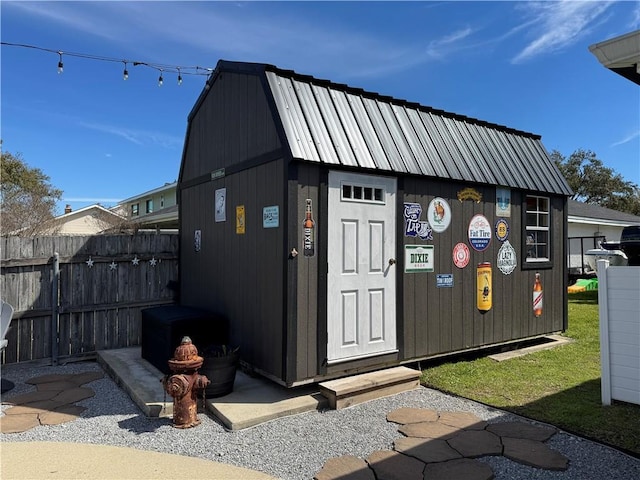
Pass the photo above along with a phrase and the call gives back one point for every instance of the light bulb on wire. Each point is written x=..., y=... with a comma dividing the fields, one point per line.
x=125, y=74
x=60, y=64
x=179, y=77
x=160, y=79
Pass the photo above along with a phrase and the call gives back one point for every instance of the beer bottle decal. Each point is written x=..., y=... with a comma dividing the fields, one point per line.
x=537, y=296
x=308, y=231
x=483, y=285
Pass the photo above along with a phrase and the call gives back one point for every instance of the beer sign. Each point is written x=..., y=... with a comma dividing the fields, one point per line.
x=418, y=258
x=479, y=233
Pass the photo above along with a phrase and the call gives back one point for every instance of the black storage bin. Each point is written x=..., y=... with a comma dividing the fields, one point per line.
x=163, y=329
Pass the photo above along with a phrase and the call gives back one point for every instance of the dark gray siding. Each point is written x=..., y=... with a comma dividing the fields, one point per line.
x=335, y=124
x=239, y=276
x=232, y=123
x=444, y=320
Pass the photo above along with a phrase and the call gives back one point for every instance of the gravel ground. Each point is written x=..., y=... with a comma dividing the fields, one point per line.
x=293, y=447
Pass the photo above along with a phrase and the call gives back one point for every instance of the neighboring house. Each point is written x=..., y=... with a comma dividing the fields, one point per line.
x=156, y=208
x=588, y=226
x=620, y=55
x=85, y=221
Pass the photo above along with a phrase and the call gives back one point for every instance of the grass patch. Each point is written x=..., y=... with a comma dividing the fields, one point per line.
x=560, y=386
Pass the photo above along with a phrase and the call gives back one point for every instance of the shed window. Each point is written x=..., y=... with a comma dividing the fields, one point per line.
x=135, y=209
x=149, y=206
x=362, y=193
x=537, y=234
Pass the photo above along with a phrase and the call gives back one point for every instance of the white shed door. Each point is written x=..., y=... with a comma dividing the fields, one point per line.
x=361, y=280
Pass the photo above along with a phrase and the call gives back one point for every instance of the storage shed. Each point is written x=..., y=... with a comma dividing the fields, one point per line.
x=342, y=231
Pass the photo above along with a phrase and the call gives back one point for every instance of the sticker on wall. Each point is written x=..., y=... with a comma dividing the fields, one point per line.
x=221, y=205
x=240, y=220
x=308, y=231
x=444, y=280
x=507, y=261
x=197, y=240
x=503, y=202
x=418, y=258
x=479, y=233
x=413, y=226
x=469, y=194
x=502, y=229
x=271, y=217
x=484, y=287
x=439, y=214
x=461, y=255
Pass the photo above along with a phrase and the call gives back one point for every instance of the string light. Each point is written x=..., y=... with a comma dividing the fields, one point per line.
x=180, y=70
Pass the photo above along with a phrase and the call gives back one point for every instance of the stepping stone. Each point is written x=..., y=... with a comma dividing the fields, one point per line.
x=34, y=408
x=54, y=377
x=476, y=443
x=18, y=423
x=542, y=433
x=404, y=416
x=465, y=420
x=64, y=414
x=74, y=395
x=389, y=465
x=533, y=453
x=86, y=377
x=346, y=467
x=30, y=397
x=428, y=430
x=463, y=469
x=426, y=450
x=57, y=386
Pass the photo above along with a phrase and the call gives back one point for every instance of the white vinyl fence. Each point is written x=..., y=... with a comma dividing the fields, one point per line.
x=619, y=306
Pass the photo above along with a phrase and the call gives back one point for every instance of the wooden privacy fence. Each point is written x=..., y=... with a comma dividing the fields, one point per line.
x=75, y=295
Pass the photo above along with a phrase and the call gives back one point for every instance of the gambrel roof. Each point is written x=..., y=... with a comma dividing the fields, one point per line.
x=336, y=124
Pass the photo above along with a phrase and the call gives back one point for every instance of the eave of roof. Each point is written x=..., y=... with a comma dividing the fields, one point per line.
x=620, y=55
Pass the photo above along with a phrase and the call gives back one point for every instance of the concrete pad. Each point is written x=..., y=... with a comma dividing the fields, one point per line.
x=403, y=416
x=389, y=465
x=427, y=450
x=256, y=400
x=75, y=461
x=555, y=341
x=140, y=379
x=462, y=469
x=346, y=467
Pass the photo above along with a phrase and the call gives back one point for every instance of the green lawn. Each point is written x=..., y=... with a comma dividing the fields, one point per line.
x=560, y=386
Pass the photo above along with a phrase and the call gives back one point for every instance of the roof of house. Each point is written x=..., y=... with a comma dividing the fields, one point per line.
x=333, y=123
x=620, y=55
x=165, y=187
x=579, y=211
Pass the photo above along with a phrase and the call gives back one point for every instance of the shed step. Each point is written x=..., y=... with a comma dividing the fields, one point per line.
x=348, y=391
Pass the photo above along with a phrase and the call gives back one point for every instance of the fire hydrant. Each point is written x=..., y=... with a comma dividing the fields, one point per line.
x=185, y=384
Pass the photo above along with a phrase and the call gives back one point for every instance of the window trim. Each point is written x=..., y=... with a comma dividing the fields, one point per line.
x=535, y=263
x=135, y=209
x=148, y=205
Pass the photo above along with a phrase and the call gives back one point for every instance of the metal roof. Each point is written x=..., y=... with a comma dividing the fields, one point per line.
x=336, y=124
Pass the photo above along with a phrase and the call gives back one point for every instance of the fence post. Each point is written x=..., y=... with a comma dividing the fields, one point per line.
x=55, y=308
x=603, y=307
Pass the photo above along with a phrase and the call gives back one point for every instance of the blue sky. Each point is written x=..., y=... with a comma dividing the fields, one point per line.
x=101, y=139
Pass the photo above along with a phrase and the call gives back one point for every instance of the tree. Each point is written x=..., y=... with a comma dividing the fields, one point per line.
x=594, y=183
x=27, y=199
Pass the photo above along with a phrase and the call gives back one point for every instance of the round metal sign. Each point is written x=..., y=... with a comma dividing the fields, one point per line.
x=480, y=233
x=439, y=214
x=502, y=229
x=461, y=255
x=507, y=261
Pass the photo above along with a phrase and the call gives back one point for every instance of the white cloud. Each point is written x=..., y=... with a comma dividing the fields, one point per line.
x=557, y=25
x=139, y=137
x=627, y=139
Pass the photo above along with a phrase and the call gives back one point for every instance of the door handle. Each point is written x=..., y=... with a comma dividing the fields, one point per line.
x=392, y=261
